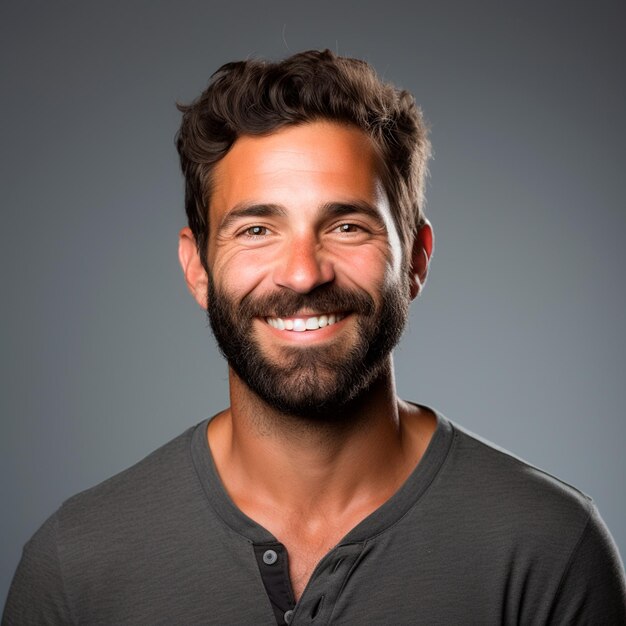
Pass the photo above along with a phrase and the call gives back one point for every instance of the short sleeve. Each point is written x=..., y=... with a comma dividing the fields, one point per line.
x=37, y=594
x=593, y=587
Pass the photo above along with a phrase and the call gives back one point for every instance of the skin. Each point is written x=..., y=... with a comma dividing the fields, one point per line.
x=308, y=484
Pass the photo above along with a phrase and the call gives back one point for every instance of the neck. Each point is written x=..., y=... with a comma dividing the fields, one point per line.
x=251, y=415
x=297, y=465
x=309, y=483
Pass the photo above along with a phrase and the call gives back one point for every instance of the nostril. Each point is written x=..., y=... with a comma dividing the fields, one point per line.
x=302, y=267
x=303, y=277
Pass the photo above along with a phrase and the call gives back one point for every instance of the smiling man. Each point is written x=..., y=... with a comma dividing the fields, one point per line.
x=305, y=273
x=318, y=496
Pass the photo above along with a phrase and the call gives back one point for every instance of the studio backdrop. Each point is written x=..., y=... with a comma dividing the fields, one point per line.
x=518, y=334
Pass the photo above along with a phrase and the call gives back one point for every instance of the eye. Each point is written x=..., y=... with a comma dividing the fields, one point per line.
x=256, y=231
x=348, y=228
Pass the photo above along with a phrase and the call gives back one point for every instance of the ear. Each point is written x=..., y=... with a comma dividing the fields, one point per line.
x=195, y=274
x=423, y=247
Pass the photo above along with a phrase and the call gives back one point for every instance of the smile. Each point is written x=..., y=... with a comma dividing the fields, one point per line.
x=302, y=324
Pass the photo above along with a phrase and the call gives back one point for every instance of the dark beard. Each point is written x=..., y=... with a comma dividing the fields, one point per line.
x=312, y=382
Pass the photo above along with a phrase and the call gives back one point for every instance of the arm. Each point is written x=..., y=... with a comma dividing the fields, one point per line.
x=37, y=594
x=593, y=586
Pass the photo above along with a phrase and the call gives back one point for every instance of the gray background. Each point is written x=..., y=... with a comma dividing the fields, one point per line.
x=519, y=333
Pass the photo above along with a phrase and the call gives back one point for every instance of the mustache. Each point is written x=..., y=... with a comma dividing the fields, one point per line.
x=325, y=298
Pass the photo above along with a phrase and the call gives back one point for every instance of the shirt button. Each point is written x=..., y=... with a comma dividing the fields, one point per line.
x=288, y=616
x=270, y=557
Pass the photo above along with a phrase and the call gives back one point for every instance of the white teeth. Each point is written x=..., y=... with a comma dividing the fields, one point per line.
x=312, y=323
x=300, y=324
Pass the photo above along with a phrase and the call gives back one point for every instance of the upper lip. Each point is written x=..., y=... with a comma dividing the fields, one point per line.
x=304, y=314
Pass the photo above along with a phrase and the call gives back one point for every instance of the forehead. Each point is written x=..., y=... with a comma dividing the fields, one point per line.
x=315, y=160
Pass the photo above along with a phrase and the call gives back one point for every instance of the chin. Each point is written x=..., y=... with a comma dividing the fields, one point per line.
x=314, y=394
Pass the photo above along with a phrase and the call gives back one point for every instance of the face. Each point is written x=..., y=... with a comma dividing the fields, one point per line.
x=307, y=293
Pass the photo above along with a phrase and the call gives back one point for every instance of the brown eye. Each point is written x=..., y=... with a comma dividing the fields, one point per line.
x=256, y=231
x=348, y=228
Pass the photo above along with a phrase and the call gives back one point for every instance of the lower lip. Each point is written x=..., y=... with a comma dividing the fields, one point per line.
x=305, y=336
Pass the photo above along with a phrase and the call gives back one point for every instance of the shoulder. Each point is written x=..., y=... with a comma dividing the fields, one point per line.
x=132, y=496
x=114, y=519
x=97, y=535
x=532, y=527
x=502, y=505
x=491, y=475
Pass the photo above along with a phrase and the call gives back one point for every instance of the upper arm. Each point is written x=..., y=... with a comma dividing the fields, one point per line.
x=37, y=594
x=593, y=586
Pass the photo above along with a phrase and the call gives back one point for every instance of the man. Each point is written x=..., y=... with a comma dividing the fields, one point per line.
x=317, y=497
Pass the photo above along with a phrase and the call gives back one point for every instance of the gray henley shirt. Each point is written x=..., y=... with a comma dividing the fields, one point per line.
x=474, y=536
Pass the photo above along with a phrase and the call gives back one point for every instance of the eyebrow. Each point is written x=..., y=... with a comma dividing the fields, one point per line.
x=340, y=209
x=329, y=210
x=242, y=211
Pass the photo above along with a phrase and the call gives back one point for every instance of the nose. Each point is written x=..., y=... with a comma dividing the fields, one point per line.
x=303, y=265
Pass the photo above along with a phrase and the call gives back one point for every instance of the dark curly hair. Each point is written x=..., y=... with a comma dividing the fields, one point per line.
x=256, y=97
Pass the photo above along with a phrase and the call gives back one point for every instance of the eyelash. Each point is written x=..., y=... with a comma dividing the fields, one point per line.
x=354, y=228
x=250, y=235
x=265, y=231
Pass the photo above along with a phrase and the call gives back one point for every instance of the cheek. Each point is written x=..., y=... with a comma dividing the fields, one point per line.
x=367, y=267
x=240, y=273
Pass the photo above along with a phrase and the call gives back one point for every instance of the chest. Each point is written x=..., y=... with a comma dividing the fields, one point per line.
x=307, y=541
x=304, y=553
